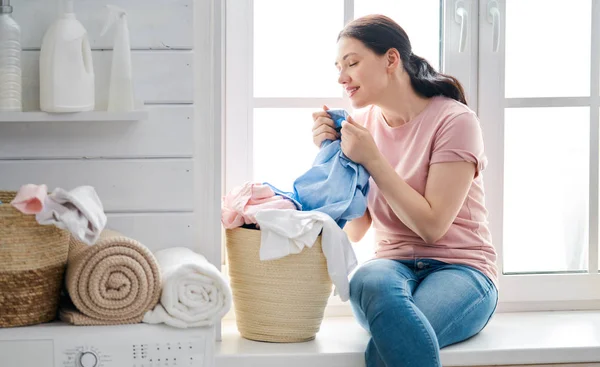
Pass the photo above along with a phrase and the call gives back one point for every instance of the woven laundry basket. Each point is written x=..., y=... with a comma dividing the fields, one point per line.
x=279, y=300
x=33, y=260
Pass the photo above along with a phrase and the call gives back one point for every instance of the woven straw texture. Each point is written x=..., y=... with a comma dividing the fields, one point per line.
x=33, y=259
x=114, y=281
x=279, y=300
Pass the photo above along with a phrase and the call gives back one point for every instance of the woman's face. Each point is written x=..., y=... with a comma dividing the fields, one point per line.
x=363, y=74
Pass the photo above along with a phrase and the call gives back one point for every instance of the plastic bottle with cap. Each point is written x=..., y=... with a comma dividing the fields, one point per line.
x=66, y=67
x=10, y=60
x=120, y=95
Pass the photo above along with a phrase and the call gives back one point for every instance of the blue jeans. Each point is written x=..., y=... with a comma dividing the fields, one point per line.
x=412, y=308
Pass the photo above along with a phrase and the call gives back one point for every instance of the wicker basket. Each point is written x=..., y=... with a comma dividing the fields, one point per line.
x=33, y=260
x=279, y=300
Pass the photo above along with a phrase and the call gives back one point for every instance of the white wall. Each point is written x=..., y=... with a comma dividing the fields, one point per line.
x=159, y=179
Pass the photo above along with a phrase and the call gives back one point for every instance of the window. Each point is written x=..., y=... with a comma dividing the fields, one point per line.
x=539, y=110
x=538, y=101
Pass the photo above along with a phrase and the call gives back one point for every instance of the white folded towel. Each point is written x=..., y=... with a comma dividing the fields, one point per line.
x=194, y=292
x=79, y=211
x=286, y=231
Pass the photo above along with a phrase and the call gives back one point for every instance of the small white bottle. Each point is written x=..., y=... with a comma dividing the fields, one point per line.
x=10, y=60
x=120, y=94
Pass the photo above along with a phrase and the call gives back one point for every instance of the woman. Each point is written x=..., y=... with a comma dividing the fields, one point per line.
x=433, y=280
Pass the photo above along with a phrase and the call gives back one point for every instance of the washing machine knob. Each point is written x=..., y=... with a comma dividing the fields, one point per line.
x=88, y=359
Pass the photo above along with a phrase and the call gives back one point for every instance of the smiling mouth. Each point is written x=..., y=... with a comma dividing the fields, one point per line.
x=351, y=91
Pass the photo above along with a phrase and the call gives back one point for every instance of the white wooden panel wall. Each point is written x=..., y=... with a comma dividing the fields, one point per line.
x=122, y=184
x=160, y=230
x=143, y=171
x=154, y=24
x=168, y=132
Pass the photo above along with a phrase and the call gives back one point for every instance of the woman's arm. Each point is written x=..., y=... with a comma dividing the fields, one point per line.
x=457, y=147
x=356, y=228
x=445, y=192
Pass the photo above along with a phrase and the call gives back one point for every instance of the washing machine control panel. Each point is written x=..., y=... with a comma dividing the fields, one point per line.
x=83, y=356
x=115, y=353
x=58, y=344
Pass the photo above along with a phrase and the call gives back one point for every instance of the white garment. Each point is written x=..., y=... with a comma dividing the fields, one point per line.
x=79, y=211
x=286, y=231
x=194, y=292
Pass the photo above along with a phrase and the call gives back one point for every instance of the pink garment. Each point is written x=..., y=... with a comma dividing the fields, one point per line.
x=446, y=131
x=30, y=198
x=242, y=203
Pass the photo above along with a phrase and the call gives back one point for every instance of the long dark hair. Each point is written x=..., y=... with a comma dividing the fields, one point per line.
x=380, y=33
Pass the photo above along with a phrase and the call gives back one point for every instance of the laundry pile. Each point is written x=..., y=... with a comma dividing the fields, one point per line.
x=114, y=279
x=333, y=191
x=78, y=211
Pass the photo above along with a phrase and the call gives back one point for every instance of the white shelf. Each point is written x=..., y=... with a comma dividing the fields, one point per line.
x=34, y=116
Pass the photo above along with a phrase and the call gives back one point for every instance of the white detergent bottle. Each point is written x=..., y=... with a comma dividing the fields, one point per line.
x=120, y=95
x=66, y=68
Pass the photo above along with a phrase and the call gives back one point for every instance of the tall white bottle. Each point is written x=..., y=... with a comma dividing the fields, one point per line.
x=66, y=67
x=10, y=60
x=120, y=94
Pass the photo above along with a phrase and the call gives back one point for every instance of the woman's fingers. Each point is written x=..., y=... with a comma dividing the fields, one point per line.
x=323, y=121
x=324, y=132
x=324, y=129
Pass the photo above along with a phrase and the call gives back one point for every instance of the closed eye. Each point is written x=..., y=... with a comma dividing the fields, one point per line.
x=356, y=63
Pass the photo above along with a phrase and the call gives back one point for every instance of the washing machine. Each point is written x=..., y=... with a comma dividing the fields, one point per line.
x=58, y=344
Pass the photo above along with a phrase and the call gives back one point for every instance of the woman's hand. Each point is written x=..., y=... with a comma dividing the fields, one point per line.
x=323, y=127
x=358, y=144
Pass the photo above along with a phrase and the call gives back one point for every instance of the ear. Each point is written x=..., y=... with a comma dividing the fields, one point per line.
x=393, y=60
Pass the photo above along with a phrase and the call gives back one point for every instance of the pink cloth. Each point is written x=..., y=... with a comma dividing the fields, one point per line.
x=242, y=203
x=446, y=131
x=30, y=198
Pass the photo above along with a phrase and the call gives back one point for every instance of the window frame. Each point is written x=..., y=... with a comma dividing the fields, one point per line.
x=481, y=72
x=535, y=291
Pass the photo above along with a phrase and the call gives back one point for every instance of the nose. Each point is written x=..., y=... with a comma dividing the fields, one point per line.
x=343, y=78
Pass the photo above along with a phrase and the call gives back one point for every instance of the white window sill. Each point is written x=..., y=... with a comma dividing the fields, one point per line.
x=509, y=339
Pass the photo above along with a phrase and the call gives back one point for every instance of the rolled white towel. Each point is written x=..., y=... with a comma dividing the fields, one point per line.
x=194, y=292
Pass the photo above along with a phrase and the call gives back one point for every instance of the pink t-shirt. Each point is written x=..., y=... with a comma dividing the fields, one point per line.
x=445, y=131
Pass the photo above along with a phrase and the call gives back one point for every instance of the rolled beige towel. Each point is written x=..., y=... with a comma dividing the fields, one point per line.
x=115, y=281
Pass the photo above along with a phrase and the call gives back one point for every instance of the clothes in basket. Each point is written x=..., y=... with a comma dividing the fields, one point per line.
x=79, y=211
x=241, y=204
x=285, y=232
